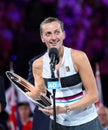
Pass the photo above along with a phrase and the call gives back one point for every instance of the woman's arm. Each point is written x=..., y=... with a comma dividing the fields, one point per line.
x=83, y=67
x=38, y=80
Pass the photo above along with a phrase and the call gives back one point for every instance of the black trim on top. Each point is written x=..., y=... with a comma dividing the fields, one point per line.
x=66, y=81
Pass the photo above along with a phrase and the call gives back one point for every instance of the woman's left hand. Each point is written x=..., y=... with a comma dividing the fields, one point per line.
x=49, y=110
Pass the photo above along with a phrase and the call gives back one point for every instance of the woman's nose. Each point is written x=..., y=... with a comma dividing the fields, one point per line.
x=53, y=36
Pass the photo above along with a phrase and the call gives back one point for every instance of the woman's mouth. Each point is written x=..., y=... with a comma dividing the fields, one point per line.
x=53, y=43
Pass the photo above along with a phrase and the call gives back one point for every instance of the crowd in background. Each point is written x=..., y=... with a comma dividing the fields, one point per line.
x=103, y=116
x=86, y=26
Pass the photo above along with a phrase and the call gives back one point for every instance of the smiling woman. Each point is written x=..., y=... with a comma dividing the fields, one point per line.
x=52, y=34
x=74, y=106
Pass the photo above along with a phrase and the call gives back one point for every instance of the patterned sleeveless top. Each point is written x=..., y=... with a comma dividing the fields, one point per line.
x=68, y=90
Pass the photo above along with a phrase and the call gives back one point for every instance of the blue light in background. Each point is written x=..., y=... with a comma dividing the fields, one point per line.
x=14, y=57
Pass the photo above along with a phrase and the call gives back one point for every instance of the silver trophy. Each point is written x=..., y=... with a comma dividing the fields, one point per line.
x=24, y=86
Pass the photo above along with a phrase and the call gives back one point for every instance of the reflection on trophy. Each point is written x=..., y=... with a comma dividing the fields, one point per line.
x=24, y=86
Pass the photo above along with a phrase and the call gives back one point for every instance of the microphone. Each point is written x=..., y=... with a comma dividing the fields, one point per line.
x=54, y=58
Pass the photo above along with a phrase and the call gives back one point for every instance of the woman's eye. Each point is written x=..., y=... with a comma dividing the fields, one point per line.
x=57, y=32
x=47, y=34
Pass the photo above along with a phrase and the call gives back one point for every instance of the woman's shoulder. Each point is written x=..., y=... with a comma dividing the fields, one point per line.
x=38, y=62
x=79, y=58
x=78, y=54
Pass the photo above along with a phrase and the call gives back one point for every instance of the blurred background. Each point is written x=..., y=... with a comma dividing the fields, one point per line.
x=86, y=26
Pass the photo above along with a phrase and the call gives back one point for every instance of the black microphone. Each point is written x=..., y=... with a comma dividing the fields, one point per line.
x=54, y=58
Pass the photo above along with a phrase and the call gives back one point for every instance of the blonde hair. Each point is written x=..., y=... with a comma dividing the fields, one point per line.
x=49, y=20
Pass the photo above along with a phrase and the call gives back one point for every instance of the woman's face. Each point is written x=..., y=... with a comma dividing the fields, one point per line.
x=52, y=35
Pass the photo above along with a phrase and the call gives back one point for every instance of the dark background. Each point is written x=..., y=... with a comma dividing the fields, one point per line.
x=86, y=26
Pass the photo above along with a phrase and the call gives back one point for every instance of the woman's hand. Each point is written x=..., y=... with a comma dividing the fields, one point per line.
x=34, y=93
x=49, y=110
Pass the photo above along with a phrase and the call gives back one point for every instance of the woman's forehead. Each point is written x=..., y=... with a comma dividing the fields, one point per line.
x=51, y=26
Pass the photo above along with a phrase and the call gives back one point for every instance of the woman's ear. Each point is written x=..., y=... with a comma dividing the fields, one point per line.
x=64, y=34
x=42, y=39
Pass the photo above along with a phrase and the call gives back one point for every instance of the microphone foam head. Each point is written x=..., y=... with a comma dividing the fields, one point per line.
x=54, y=52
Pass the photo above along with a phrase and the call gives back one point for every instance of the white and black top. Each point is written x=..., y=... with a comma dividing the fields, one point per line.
x=68, y=90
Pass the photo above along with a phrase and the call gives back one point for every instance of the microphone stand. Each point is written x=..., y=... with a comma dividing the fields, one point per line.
x=52, y=67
